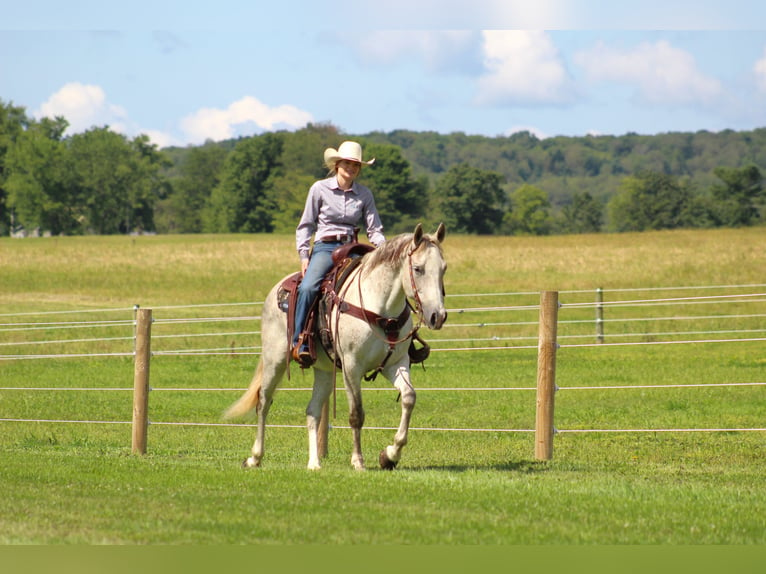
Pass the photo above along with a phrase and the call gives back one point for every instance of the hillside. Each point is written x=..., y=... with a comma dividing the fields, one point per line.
x=564, y=165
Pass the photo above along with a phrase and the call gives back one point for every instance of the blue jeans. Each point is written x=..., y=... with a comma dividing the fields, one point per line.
x=319, y=264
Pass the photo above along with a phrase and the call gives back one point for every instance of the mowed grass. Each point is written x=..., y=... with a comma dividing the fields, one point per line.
x=467, y=477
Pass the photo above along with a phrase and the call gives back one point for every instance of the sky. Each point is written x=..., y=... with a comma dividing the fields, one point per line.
x=186, y=72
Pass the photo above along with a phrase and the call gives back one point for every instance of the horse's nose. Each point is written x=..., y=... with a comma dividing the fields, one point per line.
x=438, y=318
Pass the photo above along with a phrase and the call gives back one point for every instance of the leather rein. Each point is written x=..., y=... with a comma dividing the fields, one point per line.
x=391, y=326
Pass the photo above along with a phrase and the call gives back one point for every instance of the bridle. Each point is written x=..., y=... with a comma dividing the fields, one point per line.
x=415, y=293
x=391, y=326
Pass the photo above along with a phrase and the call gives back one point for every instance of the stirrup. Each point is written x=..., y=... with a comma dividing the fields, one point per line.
x=301, y=355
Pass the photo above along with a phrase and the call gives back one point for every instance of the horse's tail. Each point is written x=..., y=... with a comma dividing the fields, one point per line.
x=250, y=399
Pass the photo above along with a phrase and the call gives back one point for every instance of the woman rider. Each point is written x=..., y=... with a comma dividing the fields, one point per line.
x=334, y=208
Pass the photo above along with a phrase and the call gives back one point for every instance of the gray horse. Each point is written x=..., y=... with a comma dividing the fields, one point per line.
x=407, y=266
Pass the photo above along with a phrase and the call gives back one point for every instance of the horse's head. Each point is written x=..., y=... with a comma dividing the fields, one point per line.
x=426, y=276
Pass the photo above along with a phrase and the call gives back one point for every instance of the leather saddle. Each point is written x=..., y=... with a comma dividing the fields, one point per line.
x=346, y=259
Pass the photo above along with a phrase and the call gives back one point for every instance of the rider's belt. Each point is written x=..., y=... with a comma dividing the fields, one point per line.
x=336, y=239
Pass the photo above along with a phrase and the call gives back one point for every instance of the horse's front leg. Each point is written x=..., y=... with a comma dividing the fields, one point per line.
x=389, y=456
x=323, y=383
x=353, y=383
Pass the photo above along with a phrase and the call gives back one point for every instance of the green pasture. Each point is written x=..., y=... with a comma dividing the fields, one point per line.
x=631, y=466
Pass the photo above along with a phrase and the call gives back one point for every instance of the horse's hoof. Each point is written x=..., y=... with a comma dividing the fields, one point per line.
x=250, y=462
x=385, y=462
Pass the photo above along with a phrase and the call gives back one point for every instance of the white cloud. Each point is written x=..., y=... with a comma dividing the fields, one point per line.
x=538, y=133
x=440, y=50
x=523, y=68
x=759, y=69
x=161, y=139
x=84, y=106
x=661, y=73
x=220, y=124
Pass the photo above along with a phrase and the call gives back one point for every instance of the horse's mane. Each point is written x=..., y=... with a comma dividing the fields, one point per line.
x=393, y=251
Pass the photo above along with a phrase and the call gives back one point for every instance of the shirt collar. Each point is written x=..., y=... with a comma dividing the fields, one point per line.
x=334, y=185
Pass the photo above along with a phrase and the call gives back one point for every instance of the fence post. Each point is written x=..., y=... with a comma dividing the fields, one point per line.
x=546, y=374
x=141, y=379
x=599, y=315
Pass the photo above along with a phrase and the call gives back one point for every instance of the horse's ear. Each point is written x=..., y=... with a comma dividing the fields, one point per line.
x=441, y=231
x=417, y=237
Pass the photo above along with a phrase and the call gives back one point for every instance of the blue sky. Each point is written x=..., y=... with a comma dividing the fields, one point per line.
x=185, y=72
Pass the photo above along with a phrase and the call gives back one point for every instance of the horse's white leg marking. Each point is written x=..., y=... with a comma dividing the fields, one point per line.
x=254, y=460
x=269, y=372
x=401, y=380
x=323, y=383
x=271, y=377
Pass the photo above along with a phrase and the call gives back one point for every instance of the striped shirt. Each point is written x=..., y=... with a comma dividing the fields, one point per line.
x=331, y=211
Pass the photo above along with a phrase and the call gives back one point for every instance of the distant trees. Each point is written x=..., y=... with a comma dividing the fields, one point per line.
x=38, y=186
x=529, y=213
x=401, y=200
x=199, y=173
x=584, y=215
x=738, y=196
x=115, y=181
x=653, y=200
x=649, y=201
x=13, y=122
x=94, y=182
x=471, y=200
x=244, y=200
x=302, y=165
x=102, y=182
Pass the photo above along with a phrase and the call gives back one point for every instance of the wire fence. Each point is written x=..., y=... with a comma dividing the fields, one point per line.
x=493, y=322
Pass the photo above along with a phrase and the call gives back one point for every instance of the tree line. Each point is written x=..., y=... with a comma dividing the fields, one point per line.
x=101, y=182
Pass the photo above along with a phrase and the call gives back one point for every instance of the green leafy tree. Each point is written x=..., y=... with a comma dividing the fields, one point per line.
x=13, y=122
x=584, y=214
x=244, y=201
x=401, y=200
x=37, y=179
x=116, y=181
x=303, y=150
x=291, y=189
x=530, y=212
x=200, y=172
x=472, y=200
x=650, y=201
x=149, y=186
x=738, y=195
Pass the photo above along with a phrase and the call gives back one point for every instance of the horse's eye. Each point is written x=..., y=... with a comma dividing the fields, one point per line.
x=417, y=269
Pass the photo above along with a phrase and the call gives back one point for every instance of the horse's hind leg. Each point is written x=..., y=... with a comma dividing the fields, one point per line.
x=323, y=383
x=390, y=456
x=270, y=377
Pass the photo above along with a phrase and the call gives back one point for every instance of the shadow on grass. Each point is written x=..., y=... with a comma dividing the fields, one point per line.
x=520, y=467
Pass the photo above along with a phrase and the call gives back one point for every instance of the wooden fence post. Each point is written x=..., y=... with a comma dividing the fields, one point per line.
x=546, y=374
x=141, y=380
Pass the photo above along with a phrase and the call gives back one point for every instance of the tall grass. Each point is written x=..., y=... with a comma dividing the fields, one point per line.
x=475, y=484
x=122, y=271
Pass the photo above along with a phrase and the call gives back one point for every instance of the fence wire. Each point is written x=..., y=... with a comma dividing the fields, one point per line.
x=501, y=336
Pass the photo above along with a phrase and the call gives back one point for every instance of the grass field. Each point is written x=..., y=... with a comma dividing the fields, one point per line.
x=74, y=483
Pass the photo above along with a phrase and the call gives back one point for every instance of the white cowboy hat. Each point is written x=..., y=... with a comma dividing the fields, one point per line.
x=347, y=150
